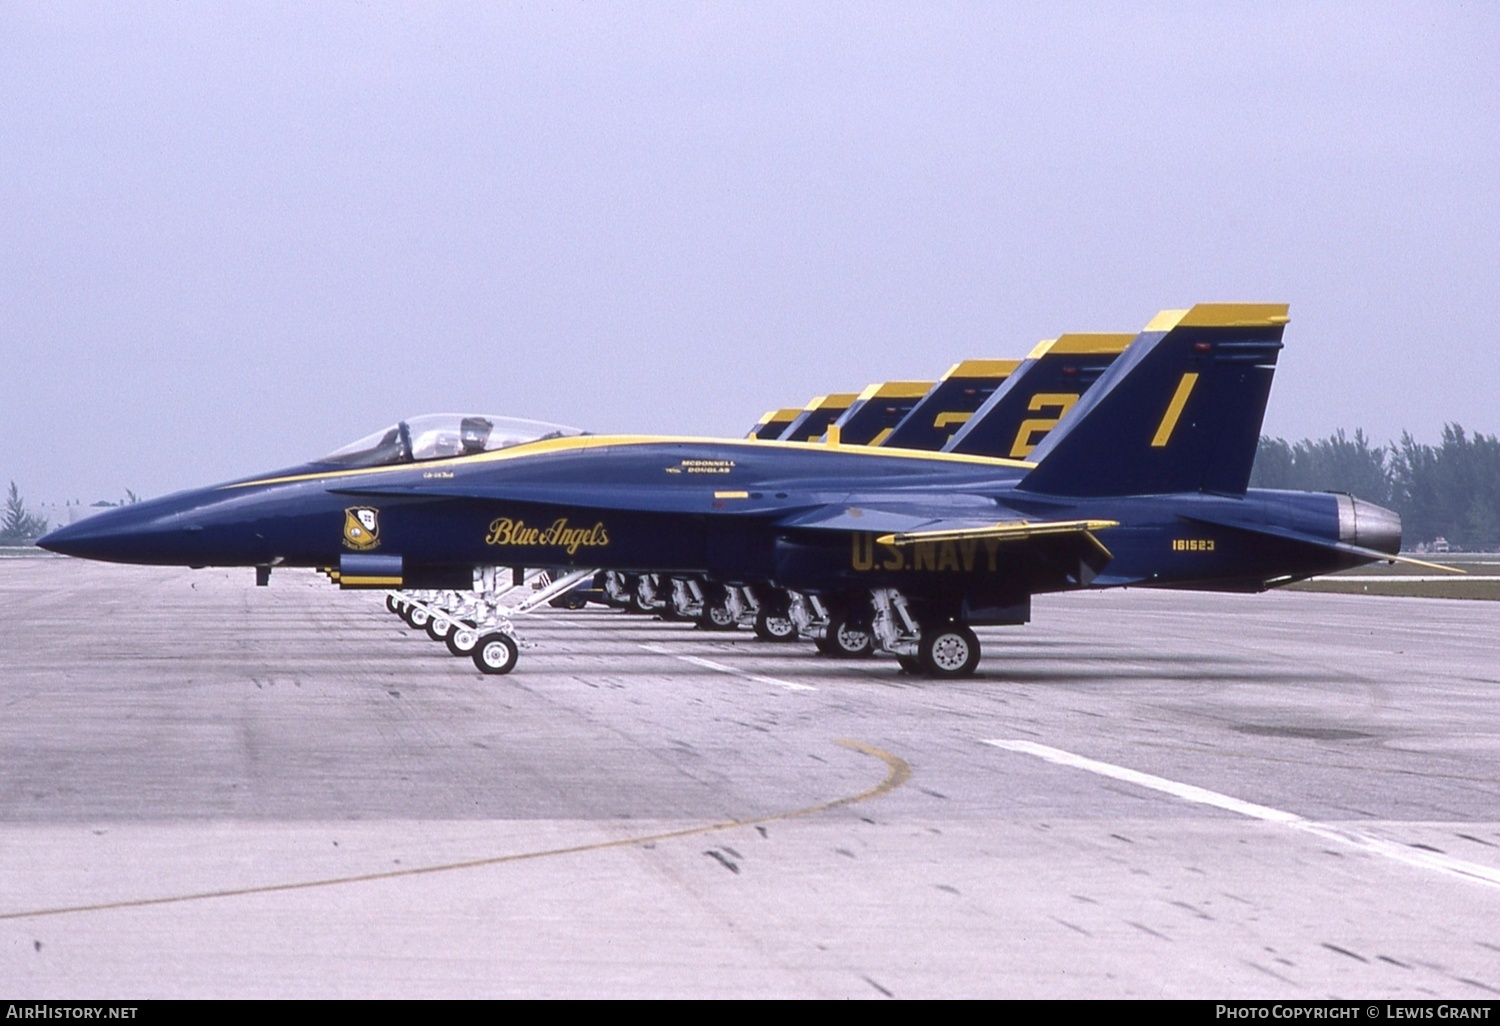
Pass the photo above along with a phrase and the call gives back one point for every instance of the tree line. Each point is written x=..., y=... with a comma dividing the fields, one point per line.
x=1450, y=490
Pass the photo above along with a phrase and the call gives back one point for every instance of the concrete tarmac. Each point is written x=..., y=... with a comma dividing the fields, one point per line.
x=213, y=790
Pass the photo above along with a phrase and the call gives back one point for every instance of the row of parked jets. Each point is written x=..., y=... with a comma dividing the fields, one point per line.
x=890, y=521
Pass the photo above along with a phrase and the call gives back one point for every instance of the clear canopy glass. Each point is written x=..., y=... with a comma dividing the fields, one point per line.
x=435, y=436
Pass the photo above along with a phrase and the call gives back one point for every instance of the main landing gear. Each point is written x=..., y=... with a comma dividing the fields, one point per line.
x=839, y=632
x=928, y=644
x=932, y=646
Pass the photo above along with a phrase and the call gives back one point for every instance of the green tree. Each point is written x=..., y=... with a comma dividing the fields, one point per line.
x=1337, y=463
x=1450, y=490
x=1274, y=466
x=20, y=526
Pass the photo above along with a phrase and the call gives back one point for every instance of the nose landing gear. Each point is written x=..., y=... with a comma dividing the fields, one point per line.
x=474, y=623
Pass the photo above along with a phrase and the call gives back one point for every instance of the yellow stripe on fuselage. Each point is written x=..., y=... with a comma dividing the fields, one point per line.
x=549, y=446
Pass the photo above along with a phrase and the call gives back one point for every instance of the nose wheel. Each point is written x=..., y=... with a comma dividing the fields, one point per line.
x=462, y=640
x=495, y=653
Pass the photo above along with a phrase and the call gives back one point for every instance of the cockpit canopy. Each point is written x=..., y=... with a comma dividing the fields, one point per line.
x=435, y=436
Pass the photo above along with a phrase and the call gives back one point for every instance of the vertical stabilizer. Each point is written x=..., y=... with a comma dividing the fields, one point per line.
x=1033, y=400
x=814, y=419
x=1179, y=411
x=878, y=410
x=950, y=403
x=774, y=422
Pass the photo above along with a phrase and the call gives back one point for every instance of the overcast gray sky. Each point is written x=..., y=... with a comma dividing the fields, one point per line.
x=236, y=236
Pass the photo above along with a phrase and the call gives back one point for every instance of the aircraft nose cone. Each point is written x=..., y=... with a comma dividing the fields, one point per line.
x=65, y=539
x=108, y=536
x=186, y=529
x=1370, y=526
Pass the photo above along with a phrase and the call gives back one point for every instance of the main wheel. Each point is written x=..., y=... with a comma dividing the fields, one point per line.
x=439, y=627
x=673, y=610
x=390, y=603
x=844, y=641
x=633, y=603
x=416, y=617
x=495, y=653
x=462, y=640
x=717, y=618
x=774, y=627
x=949, y=650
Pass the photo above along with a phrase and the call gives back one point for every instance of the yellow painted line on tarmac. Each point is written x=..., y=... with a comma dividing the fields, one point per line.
x=897, y=773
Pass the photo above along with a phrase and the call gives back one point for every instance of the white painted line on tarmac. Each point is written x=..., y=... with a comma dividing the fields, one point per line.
x=709, y=664
x=1413, y=578
x=1431, y=860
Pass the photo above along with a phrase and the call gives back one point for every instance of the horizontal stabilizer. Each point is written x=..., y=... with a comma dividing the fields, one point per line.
x=1290, y=534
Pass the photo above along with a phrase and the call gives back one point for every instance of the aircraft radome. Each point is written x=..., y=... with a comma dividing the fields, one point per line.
x=1143, y=482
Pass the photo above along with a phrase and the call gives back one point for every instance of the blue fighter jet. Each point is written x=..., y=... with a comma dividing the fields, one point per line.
x=1142, y=483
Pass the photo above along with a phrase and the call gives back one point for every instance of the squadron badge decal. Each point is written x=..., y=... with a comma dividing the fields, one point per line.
x=361, y=528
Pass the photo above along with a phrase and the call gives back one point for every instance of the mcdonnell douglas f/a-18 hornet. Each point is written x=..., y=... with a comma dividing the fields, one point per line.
x=1143, y=482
